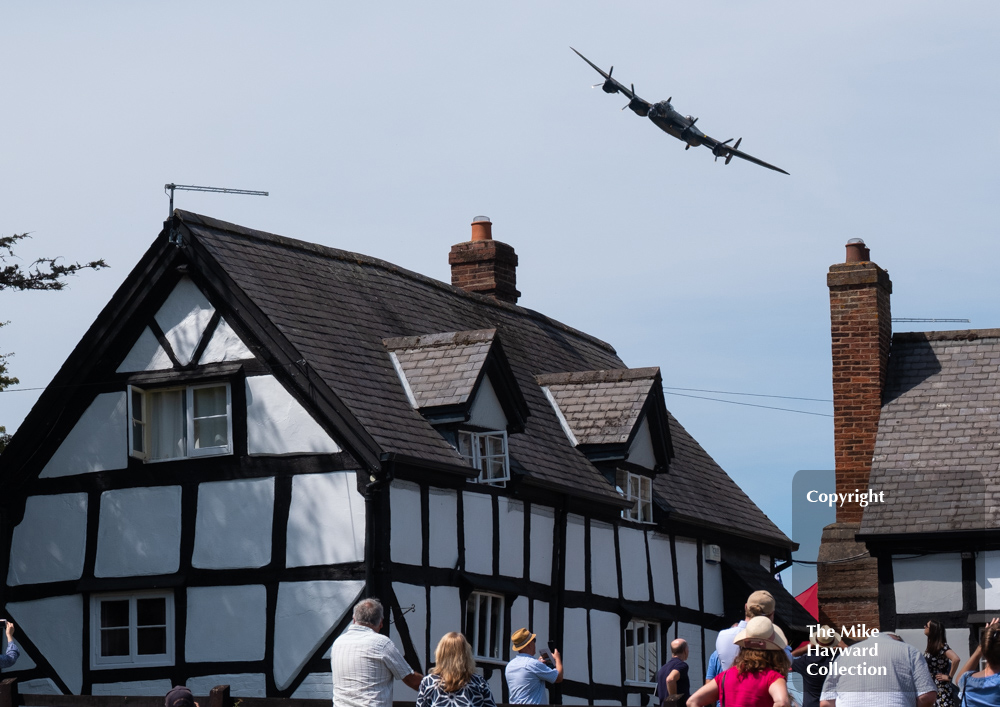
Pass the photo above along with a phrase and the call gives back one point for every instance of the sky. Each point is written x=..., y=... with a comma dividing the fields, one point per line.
x=384, y=128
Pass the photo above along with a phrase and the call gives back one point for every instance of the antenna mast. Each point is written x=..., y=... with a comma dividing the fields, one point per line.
x=169, y=189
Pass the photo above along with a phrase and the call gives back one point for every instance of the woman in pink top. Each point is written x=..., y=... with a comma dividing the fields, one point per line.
x=757, y=678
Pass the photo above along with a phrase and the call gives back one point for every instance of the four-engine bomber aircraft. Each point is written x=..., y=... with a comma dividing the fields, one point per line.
x=672, y=122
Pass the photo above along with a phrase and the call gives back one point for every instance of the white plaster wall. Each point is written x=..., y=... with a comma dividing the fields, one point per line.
x=712, y=578
x=145, y=355
x=574, y=650
x=97, y=442
x=240, y=685
x=606, y=637
x=478, y=515
x=55, y=626
x=710, y=638
x=542, y=538
x=443, y=537
x=687, y=571
x=326, y=520
x=634, y=699
x=139, y=532
x=304, y=618
x=315, y=686
x=603, y=563
x=406, y=541
x=641, y=450
x=540, y=622
x=635, y=570
x=148, y=688
x=956, y=638
x=496, y=684
x=446, y=612
x=41, y=686
x=570, y=700
x=486, y=410
x=663, y=572
x=511, y=515
x=928, y=583
x=988, y=580
x=233, y=525
x=183, y=317
x=576, y=567
x=519, y=614
x=50, y=542
x=225, y=623
x=278, y=424
x=224, y=345
x=416, y=621
x=691, y=634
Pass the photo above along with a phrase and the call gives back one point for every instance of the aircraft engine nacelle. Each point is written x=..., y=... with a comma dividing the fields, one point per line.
x=609, y=86
x=639, y=107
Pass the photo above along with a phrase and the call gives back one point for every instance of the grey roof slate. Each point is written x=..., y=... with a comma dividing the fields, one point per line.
x=601, y=407
x=442, y=369
x=938, y=442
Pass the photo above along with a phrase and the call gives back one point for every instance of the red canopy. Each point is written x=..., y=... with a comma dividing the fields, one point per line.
x=809, y=599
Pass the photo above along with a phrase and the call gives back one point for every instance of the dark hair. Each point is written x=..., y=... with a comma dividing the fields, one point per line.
x=990, y=643
x=753, y=660
x=935, y=637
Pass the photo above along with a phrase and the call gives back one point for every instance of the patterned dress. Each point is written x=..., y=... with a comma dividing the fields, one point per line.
x=476, y=694
x=939, y=663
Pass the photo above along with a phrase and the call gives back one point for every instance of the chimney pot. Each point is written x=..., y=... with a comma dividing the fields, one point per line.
x=857, y=251
x=482, y=228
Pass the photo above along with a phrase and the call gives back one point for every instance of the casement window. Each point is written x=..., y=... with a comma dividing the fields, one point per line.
x=486, y=451
x=131, y=629
x=176, y=423
x=638, y=489
x=642, y=652
x=484, y=625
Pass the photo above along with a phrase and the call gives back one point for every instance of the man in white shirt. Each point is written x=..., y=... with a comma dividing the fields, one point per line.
x=760, y=603
x=907, y=681
x=364, y=662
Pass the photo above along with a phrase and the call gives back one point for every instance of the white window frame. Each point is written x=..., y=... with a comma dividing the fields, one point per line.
x=142, y=421
x=637, y=488
x=472, y=632
x=99, y=662
x=476, y=461
x=652, y=662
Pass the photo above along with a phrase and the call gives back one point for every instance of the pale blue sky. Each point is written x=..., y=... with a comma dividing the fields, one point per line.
x=385, y=128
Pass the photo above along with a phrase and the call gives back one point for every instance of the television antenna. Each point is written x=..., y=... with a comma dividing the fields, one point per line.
x=170, y=188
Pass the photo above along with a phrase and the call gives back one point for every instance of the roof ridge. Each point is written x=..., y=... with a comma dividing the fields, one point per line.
x=450, y=338
x=189, y=218
x=611, y=375
x=948, y=335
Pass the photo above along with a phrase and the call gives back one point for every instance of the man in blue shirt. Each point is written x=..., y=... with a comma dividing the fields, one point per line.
x=11, y=656
x=526, y=674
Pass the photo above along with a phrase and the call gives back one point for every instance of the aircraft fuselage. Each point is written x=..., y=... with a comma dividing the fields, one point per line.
x=673, y=123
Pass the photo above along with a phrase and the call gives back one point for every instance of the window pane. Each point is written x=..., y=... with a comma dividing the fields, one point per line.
x=137, y=405
x=151, y=612
x=470, y=619
x=138, y=433
x=114, y=614
x=495, y=445
x=151, y=641
x=496, y=470
x=167, y=423
x=496, y=621
x=114, y=641
x=465, y=445
x=630, y=651
x=653, y=644
x=484, y=629
x=209, y=401
x=211, y=432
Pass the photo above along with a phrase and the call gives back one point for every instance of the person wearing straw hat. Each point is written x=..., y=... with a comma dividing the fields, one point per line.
x=823, y=641
x=527, y=675
x=758, y=675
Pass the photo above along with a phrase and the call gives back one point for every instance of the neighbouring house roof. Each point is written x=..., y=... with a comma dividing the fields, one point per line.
x=938, y=444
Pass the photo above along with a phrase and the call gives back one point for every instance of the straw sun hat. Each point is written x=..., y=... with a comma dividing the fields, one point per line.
x=762, y=635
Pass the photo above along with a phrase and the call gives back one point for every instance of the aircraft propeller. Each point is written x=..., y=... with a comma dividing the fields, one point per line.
x=638, y=106
x=608, y=85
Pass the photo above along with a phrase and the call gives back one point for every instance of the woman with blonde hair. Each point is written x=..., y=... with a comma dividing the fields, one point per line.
x=758, y=675
x=453, y=681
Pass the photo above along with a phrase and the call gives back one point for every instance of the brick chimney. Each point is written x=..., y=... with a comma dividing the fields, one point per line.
x=484, y=265
x=861, y=332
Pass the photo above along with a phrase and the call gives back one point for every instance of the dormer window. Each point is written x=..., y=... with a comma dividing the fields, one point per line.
x=638, y=489
x=486, y=451
x=180, y=422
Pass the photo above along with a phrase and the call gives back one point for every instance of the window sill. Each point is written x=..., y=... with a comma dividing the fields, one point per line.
x=494, y=662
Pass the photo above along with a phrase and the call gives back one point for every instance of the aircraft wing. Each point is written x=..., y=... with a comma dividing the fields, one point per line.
x=720, y=149
x=612, y=85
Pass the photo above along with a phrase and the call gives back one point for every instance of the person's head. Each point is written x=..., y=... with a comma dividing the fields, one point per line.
x=990, y=643
x=823, y=636
x=762, y=647
x=523, y=641
x=453, y=661
x=368, y=612
x=760, y=603
x=679, y=648
x=179, y=696
x=934, y=630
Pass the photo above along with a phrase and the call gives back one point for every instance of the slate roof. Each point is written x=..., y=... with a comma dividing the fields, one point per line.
x=337, y=308
x=698, y=491
x=938, y=443
x=442, y=369
x=601, y=407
